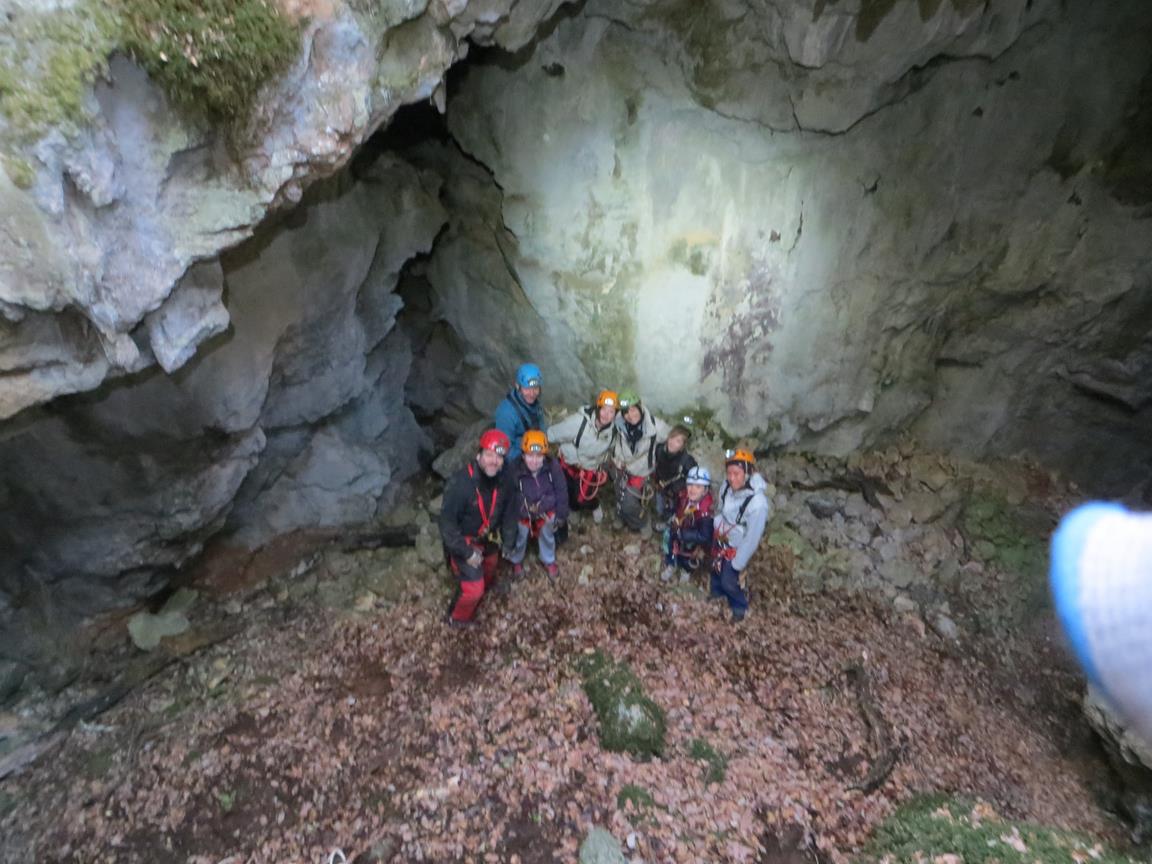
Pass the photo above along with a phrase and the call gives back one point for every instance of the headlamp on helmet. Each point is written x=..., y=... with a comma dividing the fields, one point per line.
x=496, y=441
x=528, y=376
x=607, y=399
x=534, y=441
x=739, y=455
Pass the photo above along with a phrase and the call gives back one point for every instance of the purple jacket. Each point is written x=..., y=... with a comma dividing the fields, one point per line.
x=539, y=495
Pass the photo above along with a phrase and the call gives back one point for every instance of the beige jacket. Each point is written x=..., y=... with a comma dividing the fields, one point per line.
x=581, y=443
x=639, y=460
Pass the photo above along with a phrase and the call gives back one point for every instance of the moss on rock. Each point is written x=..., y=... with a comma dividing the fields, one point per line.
x=48, y=60
x=630, y=722
x=212, y=56
x=19, y=171
x=1001, y=535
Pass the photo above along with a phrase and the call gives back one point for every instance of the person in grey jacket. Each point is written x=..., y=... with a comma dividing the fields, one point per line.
x=586, y=440
x=741, y=514
x=634, y=457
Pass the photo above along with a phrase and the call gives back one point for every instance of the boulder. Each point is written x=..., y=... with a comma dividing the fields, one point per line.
x=600, y=847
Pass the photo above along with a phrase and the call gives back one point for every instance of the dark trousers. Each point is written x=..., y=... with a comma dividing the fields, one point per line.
x=630, y=503
x=726, y=583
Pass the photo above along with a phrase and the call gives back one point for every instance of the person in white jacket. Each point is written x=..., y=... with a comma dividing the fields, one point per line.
x=634, y=457
x=741, y=514
x=586, y=441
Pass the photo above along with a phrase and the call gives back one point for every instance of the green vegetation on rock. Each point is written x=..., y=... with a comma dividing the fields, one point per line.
x=19, y=171
x=211, y=56
x=1001, y=535
x=48, y=60
x=630, y=722
x=931, y=828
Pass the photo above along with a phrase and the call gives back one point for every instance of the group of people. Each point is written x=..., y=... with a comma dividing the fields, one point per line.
x=514, y=490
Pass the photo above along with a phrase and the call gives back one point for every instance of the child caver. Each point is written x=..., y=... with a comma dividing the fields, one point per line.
x=673, y=462
x=540, y=507
x=688, y=536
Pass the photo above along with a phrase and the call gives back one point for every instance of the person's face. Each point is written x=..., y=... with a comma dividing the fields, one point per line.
x=736, y=477
x=676, y=444
x=490, y=462
x=607, y=414
x=632, y=415
x=695, y=493
x=530, y=394
x=534, y=461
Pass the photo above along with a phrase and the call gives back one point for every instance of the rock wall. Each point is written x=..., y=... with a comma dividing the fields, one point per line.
x=110, y=212
x=224, y=325
x=823, y=221
x=293, y=418
x=826, y=222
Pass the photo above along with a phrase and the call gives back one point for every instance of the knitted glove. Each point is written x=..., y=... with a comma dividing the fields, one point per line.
x=1101, y=578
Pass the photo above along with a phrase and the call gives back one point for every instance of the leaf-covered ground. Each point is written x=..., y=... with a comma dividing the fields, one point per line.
x=325, y=726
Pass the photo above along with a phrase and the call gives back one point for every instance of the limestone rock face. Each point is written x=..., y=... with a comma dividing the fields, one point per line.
x=292, y=418
x=827, y=221
x=93, y=252
x=220, y=305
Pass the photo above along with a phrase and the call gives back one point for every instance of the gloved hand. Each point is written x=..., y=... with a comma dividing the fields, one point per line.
x=1101, y=579
x=475, y=559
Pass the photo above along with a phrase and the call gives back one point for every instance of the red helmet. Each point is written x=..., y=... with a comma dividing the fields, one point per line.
x=496, y=441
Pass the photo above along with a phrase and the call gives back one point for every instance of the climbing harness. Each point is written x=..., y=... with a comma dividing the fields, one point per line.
x=589, y=480
x=724, y=551
x=535, y=521
x=484, y=534
x=485, y=530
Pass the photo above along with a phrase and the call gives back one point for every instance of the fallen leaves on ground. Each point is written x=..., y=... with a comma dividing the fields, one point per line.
x=338, y=730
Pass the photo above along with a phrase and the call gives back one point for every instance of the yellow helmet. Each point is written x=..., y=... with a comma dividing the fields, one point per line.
x=534, y=441
x=609, y=398
x=740, y=455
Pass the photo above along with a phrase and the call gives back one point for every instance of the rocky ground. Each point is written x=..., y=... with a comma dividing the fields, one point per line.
x=899, y=643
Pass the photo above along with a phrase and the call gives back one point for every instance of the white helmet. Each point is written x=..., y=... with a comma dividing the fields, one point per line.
x=699, y=476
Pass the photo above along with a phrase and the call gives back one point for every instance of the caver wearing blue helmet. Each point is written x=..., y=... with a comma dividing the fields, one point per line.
x=521, y=410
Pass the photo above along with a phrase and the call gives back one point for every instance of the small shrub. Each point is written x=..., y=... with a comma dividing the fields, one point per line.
x=716, y=766
x=640, y=798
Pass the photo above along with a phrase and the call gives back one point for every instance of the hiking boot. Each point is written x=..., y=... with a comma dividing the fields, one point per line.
x=553, y=571
x=598, y=514
x=739, y=617
x=460, y=625
x=668, y=573
x=517, y=570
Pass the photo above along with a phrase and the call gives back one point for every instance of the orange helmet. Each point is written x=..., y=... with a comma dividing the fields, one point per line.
x=740, y=455
x=534, y=441
x=609, y=398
